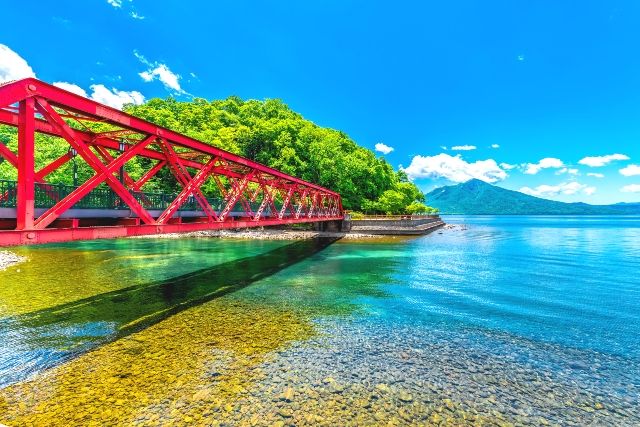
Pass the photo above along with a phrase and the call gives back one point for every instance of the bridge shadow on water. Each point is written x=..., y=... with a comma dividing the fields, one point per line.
x=39, y=340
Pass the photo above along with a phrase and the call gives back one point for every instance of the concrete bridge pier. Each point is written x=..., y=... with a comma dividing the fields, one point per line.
x=337, y=226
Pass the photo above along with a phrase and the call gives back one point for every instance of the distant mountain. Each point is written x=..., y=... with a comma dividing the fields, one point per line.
x=476, y=197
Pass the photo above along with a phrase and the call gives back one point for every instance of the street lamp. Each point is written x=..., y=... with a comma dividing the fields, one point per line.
x=122, y=147
x=73, y=153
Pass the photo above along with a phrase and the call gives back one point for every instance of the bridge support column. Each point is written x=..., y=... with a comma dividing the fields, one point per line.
x=26, y=165
x=337, y=226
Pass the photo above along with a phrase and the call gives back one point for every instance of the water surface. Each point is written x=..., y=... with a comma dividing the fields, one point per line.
x=509, y=320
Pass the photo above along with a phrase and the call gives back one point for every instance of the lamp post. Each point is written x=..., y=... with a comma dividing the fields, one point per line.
x=73, y=153
x=122, y=147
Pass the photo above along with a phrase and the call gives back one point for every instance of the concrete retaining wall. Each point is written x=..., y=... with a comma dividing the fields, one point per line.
x=393, y=222
x=397, y=227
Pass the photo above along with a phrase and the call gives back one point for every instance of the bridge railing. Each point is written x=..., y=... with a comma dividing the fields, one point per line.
x=46, y=195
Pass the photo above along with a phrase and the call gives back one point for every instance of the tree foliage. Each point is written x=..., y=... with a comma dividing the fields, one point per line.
x=268, y=132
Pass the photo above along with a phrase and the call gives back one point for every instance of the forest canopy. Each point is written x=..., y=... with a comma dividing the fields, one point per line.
x=268, y=132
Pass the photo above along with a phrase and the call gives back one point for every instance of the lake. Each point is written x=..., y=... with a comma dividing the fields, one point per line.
x=501, y=320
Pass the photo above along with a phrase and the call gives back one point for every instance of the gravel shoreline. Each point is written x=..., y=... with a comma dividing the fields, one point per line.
x=255, y=234
x=9, y=259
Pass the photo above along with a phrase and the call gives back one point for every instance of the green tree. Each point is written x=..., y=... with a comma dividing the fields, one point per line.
x=265, y=131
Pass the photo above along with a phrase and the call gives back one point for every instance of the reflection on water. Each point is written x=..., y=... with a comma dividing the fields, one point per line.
x=43, y=338
x=61, y=273
x=516, y=320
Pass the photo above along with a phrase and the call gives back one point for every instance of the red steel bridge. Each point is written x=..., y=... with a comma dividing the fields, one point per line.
x=111, y=203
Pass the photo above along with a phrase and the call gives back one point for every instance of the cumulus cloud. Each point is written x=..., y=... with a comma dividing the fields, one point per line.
x=495, y=145
x=100, y=93
x=463, y=147
x=115, y=98
x=598, y=161
x=631, y=170
x=546, y=163
x=115, y=3
x=169, y=79
x=135, y=15
x=569, y=171
x=567, y=188
x=383, y=148
x=73, y=88
x=631, y=188
x=13, y=66
x=159, y=71
x=507, y=166
x=454, y=168
x=595, y=175
x=444, y=147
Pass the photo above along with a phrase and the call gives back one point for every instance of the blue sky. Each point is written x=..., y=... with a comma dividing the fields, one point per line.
x=538, y=96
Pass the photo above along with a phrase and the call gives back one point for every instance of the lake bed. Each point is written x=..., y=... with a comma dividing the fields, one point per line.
x=511, y=320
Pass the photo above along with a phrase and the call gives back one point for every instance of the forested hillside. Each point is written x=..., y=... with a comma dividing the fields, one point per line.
x=476, y=197
x=270, y=133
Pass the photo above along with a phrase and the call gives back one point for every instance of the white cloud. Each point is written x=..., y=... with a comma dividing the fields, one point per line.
x=115, y=3
x=134, y=15
x=570, y=171
x=598, y=161
x=13, y=66
x=567, y=188
x=115, y=98
x=546, y=163
x=73, y=88
x=631, y=170
x=631, y=188
x=520, y=58
x=463, y=147
x=100, y=93
x=444, y=147
x=383, y=148
x=146, y=76
x=595, y=175
x=495, y=145
x=169, y=79
x=507, y=166
x=454, y=168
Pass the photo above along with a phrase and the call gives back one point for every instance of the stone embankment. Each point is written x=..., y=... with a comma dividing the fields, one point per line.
x=9, y=259
x=265, y=234
x=351, y=229
x=409, y=226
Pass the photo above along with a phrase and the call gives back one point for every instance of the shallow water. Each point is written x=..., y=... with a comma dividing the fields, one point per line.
x=514, y=320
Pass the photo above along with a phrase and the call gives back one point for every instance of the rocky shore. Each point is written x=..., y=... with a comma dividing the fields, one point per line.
x=265, y=234
x=9, y=259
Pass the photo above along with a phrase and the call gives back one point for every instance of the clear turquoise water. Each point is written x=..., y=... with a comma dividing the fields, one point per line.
x=571, y=281
x=529, y=316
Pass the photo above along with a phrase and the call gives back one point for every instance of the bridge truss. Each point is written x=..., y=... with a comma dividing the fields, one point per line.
x=263, y=196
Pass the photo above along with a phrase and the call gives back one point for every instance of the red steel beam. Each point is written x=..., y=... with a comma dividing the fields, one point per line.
x=31, y=96
x=104, y=173
x=150, y=174
x=25, y=209
x=190, y=187
x=8, y=155
x=79, y=104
